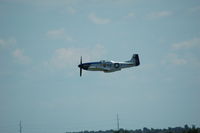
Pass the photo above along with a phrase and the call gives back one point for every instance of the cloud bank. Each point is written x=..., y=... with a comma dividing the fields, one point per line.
x=159, y=14
x=195, y=42
x=64, y=58
x=7, y=42
x=20, y=57
x=184, y=53
x=98, y=20
x=59, y=34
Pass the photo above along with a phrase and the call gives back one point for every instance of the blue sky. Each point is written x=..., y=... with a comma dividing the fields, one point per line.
x=40, y=47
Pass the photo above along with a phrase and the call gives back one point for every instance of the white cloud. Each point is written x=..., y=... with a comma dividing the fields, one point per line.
x=183, y=54
x=56, y=33
x=59, y=34
x=64, y=58
x=130, y=15
x=45, y=2
x=159, y=14
x=177, y=60
x=98, y=20
x=174, y=59
x=71, y=10
x=6, y=43
x=195, y=9
x=19, y=57
x=195, y=42
x=2, y=43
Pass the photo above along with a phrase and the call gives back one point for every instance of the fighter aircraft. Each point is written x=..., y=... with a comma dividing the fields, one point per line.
x=109, y=66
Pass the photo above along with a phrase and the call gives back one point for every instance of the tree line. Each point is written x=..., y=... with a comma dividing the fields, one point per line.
x=185, y=129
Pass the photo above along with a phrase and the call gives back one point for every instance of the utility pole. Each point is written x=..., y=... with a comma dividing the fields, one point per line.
x=20, y=127
x=117, y=122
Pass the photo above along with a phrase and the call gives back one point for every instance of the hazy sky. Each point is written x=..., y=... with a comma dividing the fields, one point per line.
x=41, y=42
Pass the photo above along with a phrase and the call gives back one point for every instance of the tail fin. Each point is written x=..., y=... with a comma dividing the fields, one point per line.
x=135, y=60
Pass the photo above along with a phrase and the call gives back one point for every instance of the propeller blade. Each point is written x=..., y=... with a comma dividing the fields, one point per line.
x=80, y=72
x=81, y=66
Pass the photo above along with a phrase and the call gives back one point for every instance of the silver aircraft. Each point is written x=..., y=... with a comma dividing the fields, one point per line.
x=109, y=66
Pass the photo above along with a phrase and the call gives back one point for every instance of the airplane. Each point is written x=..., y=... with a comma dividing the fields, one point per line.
x=109, y=66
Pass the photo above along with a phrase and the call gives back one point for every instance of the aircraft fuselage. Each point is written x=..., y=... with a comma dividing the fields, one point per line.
x=109, y=66
x=106, y=66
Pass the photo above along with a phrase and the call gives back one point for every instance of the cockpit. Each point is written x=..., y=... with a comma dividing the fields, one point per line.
x=102, y=61
x=106, y=63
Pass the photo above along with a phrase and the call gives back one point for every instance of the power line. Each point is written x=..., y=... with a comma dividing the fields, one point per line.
x=20, y=127
x=117, y=122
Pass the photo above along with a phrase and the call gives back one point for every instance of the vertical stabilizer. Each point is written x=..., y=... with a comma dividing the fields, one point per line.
x=135, y=60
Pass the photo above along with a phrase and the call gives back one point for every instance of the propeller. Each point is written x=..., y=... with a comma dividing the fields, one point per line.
x=80, y=66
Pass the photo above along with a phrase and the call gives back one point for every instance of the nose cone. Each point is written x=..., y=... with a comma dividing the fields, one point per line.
x=84, y=66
